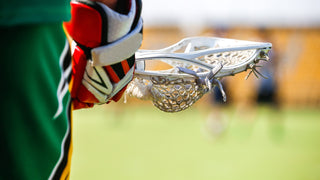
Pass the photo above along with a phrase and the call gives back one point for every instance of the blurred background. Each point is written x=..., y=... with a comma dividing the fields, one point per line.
x=268, y=129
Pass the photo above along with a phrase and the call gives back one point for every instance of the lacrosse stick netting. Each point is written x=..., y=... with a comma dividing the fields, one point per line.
x=196, y=66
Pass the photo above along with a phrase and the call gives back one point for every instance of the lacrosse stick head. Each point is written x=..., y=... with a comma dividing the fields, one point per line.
x=196, y=65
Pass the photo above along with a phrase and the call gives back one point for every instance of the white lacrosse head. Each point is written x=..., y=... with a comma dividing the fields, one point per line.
x=197, y=65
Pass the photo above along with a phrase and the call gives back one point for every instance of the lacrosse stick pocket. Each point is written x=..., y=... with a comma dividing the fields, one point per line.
x=197, y=64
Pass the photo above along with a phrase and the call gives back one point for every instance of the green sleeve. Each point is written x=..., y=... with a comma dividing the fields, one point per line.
x=17, y=12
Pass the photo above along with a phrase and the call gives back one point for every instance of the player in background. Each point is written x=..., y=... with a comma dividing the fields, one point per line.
x=44, y=77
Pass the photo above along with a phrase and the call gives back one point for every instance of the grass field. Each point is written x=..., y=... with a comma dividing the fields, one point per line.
x=143, y=143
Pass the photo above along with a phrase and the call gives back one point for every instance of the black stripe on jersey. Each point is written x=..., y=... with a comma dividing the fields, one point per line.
x=69, y=77
x=61, y=165
x=67, y=59
x=66, y=70
x=66, y=63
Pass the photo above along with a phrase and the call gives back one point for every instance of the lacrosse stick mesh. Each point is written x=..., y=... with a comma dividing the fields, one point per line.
x=167, y=94
x=228, y=58
x=177, y=89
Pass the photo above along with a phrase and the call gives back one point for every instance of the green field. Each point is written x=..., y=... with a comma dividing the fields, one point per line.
x=143, y=143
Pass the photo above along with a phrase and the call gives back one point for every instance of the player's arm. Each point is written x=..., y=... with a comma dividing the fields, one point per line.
x=104, y=36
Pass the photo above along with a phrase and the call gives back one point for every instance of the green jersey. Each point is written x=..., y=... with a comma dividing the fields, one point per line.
x=35, y=125
x=14, y=12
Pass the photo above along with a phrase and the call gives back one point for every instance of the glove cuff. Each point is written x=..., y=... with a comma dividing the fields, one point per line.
x=88, y=23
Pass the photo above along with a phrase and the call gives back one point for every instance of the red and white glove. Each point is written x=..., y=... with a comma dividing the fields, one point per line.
x=103, y=45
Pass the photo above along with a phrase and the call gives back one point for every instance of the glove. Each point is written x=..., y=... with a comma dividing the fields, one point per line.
x=103, y=43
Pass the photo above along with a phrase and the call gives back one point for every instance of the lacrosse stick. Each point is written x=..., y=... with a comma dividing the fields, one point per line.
x=198, y=63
